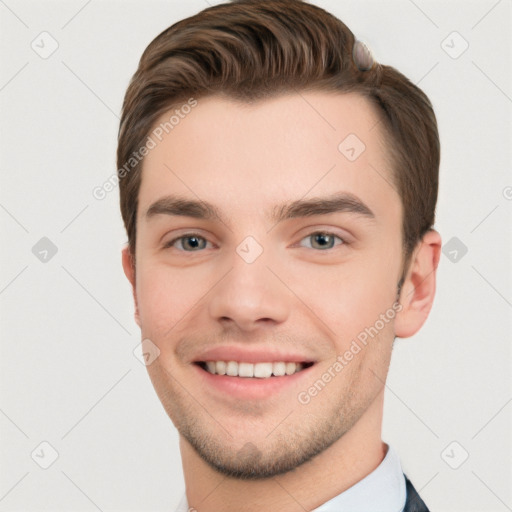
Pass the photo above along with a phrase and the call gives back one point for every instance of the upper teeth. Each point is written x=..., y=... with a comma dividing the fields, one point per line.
x=261, y=370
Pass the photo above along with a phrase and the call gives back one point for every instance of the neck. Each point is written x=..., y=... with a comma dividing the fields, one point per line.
x=347, y=461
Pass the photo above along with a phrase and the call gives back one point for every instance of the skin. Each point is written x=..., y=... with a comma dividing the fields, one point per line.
x=296, y=296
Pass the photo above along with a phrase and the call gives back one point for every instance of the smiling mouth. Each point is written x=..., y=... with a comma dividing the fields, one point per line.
x=253, y=370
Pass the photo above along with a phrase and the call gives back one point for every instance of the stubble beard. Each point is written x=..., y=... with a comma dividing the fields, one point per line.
x=295, y=442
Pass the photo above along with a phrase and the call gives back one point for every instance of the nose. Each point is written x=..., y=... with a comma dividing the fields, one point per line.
x=250, y=296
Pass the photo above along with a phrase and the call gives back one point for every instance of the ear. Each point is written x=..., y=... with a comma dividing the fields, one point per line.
x=419, y=287
x=129, y=272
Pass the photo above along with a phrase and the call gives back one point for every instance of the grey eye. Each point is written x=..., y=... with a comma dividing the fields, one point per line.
x=322, y=241
x=193, y=243
x=188, y=243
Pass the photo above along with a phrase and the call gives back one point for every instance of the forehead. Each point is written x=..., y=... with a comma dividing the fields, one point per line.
x=248, y=156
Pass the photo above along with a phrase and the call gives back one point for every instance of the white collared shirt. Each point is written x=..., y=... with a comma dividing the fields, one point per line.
x=383, y=490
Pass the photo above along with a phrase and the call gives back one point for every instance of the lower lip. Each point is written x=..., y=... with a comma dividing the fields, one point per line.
x=249, y=388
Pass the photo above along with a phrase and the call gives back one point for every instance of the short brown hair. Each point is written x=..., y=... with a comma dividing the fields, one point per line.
x=255, y=49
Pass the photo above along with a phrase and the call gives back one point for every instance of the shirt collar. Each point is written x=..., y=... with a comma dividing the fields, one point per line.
x=383, y=489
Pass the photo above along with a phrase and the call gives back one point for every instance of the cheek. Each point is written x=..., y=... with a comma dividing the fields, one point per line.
x=165, y=298
x=348, y=298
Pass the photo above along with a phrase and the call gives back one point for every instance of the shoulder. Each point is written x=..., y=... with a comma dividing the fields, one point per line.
x=413, y=502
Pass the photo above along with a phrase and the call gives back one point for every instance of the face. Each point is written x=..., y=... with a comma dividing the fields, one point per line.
x=264, y=247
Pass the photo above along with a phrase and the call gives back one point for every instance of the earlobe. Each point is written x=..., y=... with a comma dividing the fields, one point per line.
x=129, y=272
x=419, y=287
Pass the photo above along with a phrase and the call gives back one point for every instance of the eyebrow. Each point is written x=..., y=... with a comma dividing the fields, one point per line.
x=337, y=203
x=341, y=202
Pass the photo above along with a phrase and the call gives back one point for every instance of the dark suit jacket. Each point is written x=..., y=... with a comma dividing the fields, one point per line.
x=413, y=502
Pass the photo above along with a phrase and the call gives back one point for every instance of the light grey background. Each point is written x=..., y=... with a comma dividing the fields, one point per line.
x=68, y=373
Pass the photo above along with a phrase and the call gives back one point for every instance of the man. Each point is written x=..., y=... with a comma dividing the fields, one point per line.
x=278, y=188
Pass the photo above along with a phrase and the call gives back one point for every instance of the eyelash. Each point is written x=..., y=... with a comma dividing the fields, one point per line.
x=169, y=244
